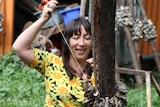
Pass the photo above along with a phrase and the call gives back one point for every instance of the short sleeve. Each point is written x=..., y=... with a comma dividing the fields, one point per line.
x=39, y=60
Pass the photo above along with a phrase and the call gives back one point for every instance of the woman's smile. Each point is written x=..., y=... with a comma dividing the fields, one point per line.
x=81, y=50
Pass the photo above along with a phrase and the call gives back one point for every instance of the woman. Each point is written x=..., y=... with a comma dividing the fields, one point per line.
x=63, y=75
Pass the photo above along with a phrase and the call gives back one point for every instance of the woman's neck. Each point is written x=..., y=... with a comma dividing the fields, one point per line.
x=78, y=68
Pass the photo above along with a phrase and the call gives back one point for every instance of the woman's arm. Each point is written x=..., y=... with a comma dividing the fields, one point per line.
x=22, y=45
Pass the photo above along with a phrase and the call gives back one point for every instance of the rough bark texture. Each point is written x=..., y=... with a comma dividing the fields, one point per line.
x=104, y=45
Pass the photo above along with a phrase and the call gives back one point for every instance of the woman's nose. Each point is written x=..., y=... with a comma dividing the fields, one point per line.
x=81, y=41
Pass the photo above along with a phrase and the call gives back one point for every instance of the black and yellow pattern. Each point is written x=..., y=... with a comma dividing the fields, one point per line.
x=60, y=90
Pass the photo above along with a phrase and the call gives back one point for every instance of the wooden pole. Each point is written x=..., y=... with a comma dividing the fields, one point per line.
x=104, y=45
x=7, y=35
x=148, y=89
x=83, y=7
x=155, y=84
x=136, y=65
x=2, y=32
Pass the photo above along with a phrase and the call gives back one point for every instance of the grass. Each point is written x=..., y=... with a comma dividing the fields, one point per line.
x=21, y=86
x=137, y=98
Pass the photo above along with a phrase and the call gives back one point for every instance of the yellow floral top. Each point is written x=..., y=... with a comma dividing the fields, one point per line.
x=60, y=90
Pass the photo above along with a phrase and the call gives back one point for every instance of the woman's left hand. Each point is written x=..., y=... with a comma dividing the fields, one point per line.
x=91, y=62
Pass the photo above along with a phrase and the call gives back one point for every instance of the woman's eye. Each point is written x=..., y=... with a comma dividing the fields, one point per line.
x=75, y=36
x=87, y=37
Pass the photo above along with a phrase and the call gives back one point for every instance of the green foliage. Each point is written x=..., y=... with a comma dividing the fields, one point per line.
x=137, y=97
x=20, y=85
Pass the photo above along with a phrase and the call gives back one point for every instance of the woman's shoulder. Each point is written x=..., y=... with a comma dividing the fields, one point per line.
x=38, y=51
x=46, y=56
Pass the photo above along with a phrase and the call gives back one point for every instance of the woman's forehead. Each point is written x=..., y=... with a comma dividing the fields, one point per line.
x=79, y=29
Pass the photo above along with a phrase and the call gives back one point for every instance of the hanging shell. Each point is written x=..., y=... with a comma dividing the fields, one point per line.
x=149, y=30
x=124, y=17
x=1, y=22
x=137, y=29
x=93, y=99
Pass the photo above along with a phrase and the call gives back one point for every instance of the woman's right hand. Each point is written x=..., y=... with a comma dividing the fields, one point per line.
x=48, y=9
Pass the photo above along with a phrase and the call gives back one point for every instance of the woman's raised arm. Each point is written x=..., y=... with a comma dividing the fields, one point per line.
x=22, y=45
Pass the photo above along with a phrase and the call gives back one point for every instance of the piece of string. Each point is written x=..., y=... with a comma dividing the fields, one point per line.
x=52, y=16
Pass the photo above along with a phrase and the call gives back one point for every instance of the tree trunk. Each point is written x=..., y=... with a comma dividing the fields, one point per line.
x=103, y=26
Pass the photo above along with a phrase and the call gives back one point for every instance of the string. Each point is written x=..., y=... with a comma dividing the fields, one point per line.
x=52, y=16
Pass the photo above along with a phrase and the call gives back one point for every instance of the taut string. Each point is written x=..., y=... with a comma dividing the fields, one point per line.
x=52, y=16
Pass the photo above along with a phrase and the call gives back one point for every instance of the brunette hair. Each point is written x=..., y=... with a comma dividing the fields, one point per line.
x=74, y=26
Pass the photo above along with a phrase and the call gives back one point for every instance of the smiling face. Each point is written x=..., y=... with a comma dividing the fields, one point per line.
x=80, y=44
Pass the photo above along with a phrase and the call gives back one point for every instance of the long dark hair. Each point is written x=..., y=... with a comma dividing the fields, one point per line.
x=74, y=26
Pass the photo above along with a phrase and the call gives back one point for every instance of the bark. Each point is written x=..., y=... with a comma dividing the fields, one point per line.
x=103, y=22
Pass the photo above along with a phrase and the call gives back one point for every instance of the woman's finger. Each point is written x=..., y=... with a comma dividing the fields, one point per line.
x=91, y=62
x=52, y=4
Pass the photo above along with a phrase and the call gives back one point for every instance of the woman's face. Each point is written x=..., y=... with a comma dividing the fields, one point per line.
x=81, y=44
